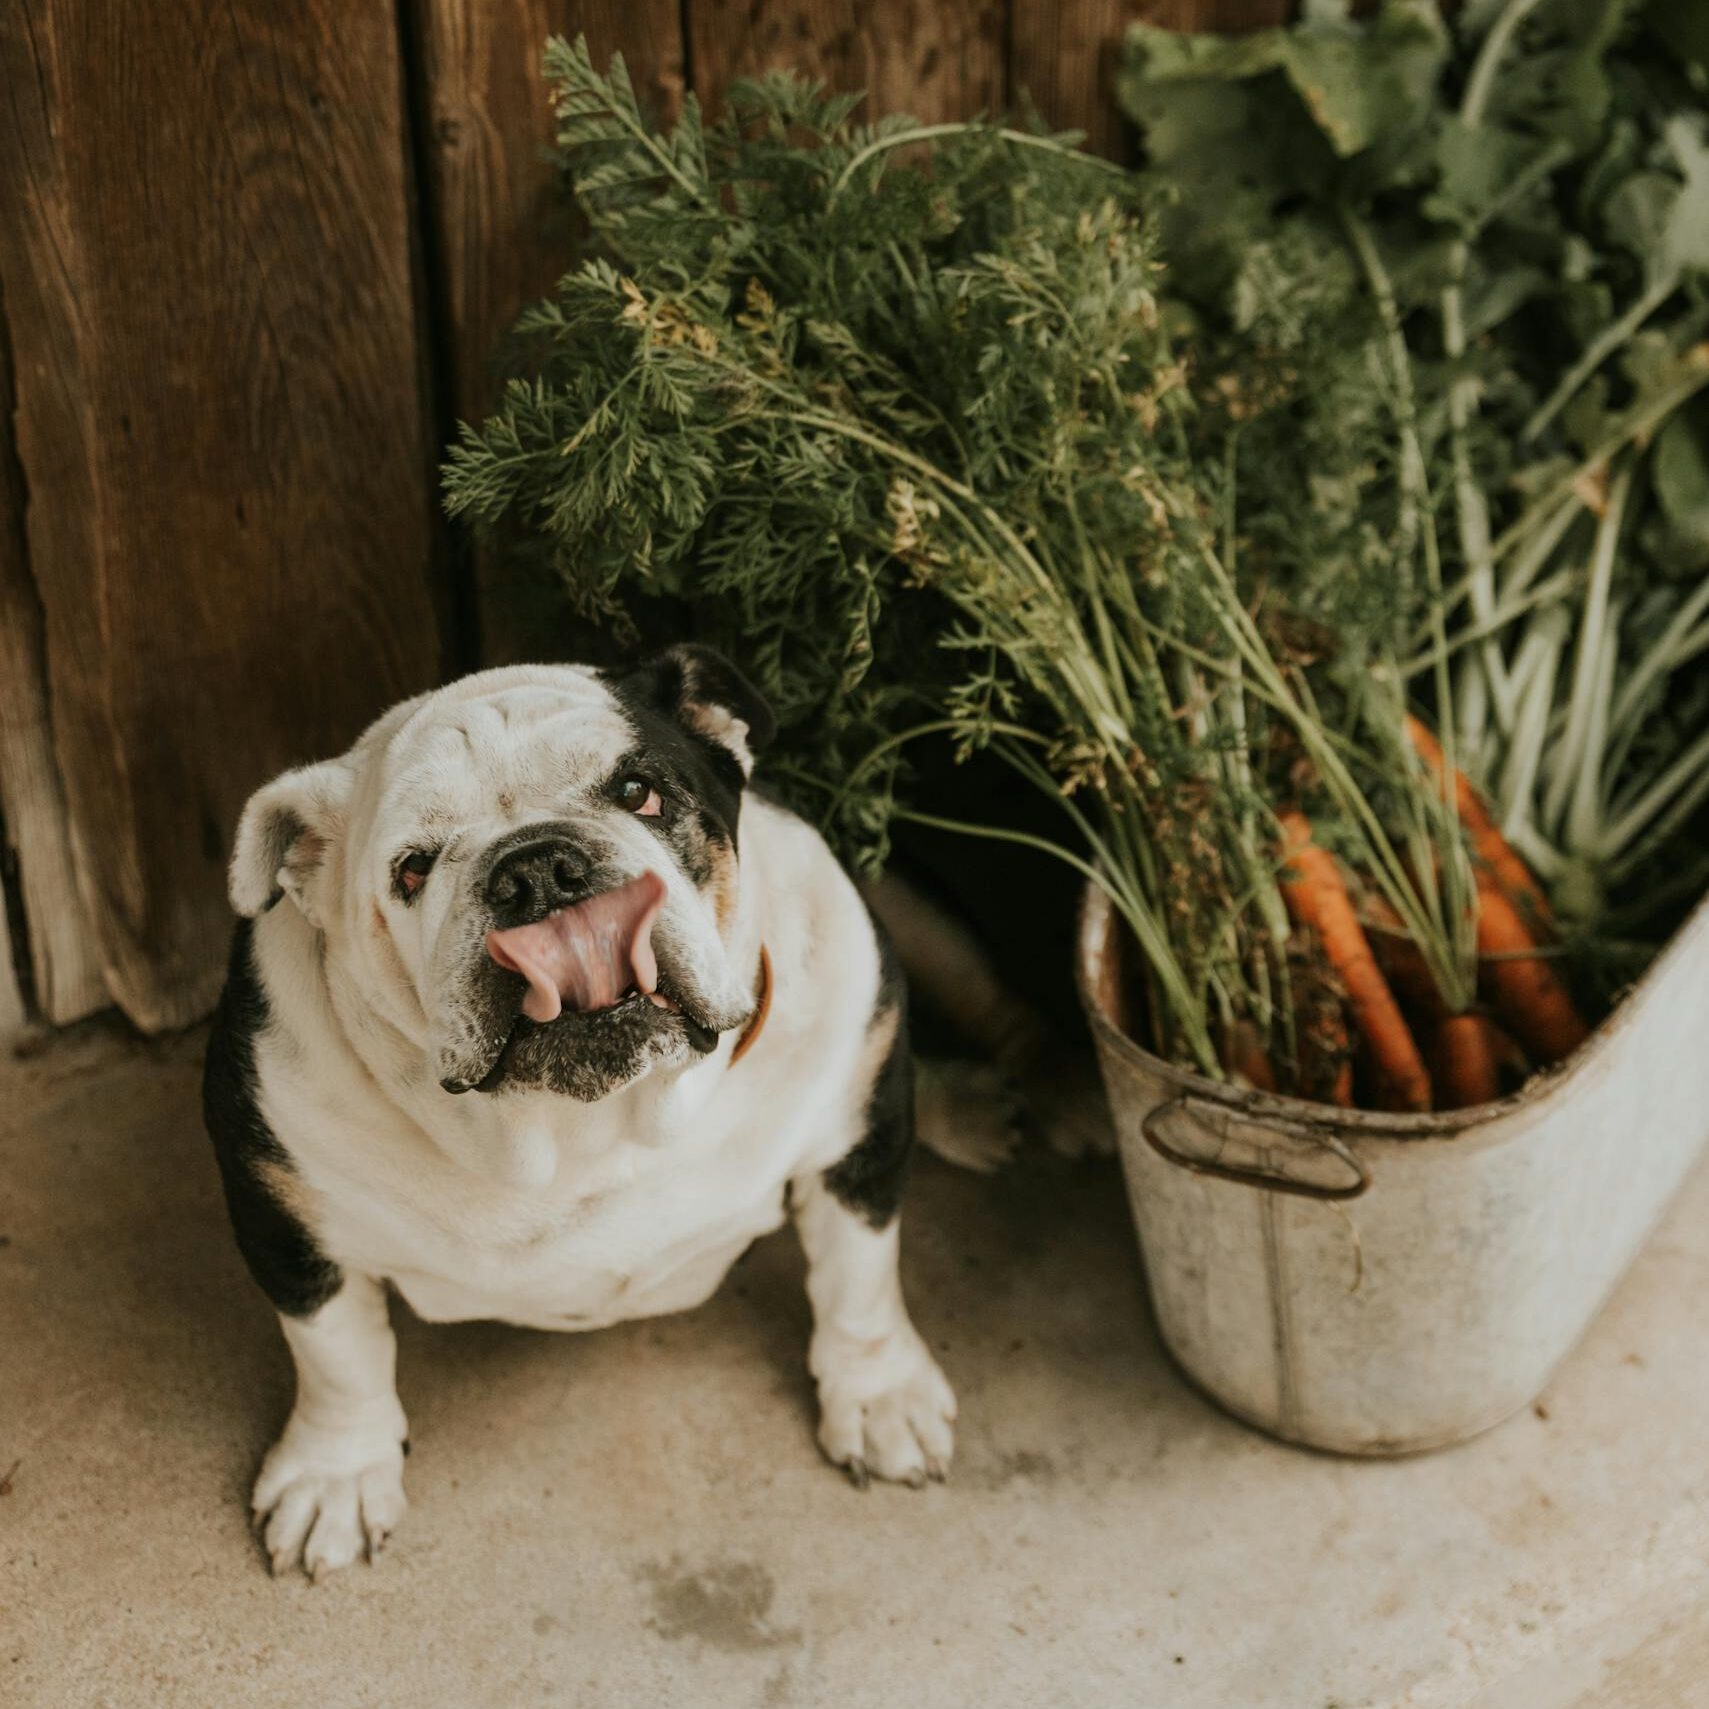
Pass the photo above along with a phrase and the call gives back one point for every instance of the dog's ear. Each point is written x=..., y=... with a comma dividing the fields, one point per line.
x=285, y=836
x=707, y=696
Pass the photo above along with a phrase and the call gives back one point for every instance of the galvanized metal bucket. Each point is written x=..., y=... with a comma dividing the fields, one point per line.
x=1382, y=1284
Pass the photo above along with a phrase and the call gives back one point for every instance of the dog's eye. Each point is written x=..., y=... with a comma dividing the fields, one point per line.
x=412, y=872
x=637, y=795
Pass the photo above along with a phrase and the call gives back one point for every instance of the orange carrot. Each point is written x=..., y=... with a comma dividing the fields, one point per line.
x=1467, y=1051
x=1315, y=896
x=1528, y=993
x=1402, y=961
x=1341, y=1092
x=1465, y=1061
x=1245, y=1057
x=1492, y=851
x=1513, y=915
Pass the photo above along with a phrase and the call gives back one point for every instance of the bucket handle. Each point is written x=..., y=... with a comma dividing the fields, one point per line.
x=1266, y=1180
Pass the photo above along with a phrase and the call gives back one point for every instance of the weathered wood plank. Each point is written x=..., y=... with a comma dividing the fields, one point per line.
x=1062, y=53
x=64, y=958
x=12, y=1017
x=498, y=226
x=499, y=234
x=65, y=964
x=936, y=59
x=219, y=416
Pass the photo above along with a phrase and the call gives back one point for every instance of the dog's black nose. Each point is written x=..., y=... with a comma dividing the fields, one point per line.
x=531, y=879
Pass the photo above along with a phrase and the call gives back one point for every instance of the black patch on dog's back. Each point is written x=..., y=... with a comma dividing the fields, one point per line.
x=290, y=1269
x=869, y=1180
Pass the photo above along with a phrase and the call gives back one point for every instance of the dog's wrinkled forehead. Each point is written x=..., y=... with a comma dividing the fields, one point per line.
x=502, y=747
x=493, y=752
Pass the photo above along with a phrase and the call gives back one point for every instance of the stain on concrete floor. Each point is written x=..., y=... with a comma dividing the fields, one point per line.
x=642, y=1515
x=726, y=1604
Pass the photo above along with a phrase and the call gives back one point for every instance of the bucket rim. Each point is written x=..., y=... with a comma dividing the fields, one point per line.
x=1092, y=937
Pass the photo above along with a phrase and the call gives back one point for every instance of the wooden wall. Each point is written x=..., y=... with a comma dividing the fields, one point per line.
x=206, y=255
x=253, y=262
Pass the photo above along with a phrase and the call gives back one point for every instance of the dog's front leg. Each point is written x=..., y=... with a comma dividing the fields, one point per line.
x=334, y=1480
x=884, y=1406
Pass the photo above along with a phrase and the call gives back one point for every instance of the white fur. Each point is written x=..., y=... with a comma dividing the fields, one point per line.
x=333, y=1483
x=531, y=1207
x=884, y=1406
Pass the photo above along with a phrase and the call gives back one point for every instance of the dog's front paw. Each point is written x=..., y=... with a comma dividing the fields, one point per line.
x=325, y=1498
x=885, y=1409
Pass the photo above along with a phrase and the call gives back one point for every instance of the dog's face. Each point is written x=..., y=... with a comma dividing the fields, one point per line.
x=532, y=873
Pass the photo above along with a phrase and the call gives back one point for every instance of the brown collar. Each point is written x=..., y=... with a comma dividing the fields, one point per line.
x=752, y=1031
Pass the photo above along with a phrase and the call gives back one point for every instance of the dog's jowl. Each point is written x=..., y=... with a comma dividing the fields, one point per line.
x=538, y=1013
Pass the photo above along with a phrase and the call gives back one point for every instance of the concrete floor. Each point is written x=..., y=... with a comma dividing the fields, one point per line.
x=640, y=1516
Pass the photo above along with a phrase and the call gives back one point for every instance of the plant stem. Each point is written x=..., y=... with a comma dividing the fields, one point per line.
x=1188, y=1014
x=1673, y=648
x=1690, y=773
x=926, y=133
x=1482, y=673
x=1600, y=348
x=1481, y=82
x=1448, y=957
x=1536, y=666
x=1638, y=424
x=1573, y=753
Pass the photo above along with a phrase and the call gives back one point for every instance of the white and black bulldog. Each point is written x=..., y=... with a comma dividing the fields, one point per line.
x=553, y=1017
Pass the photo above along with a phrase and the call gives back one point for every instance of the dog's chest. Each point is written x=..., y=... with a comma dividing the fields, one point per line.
x=638, y=1233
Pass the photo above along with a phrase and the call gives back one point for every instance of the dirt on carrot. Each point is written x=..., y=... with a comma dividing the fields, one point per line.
x=1316, y=896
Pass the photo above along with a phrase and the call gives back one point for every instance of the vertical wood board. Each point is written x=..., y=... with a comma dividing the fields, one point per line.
x=12, y=1018
x=501, y=234
x=499, y=231
x=219, y=417
x=65, y=965
x=936, y=59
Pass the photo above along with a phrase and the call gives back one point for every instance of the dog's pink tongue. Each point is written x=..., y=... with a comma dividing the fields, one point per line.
x=587, y=956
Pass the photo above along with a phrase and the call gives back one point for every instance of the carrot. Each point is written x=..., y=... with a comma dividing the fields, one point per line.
x=1402, y=961
x=1467, y=1051
x=1511, y=1062
x=1341, y=1092
x=1528, y=993
x=1245, y=1057
x=1492, y=851
x=1513, y=915
x=1315, y=896
x=1466, y=1062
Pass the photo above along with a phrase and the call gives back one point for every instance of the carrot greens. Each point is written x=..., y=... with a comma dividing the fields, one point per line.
x=1500, y=219
x=1318, y=518
x=893, y=412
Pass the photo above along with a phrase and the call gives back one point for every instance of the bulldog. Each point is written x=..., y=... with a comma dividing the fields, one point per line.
x=538, y=1012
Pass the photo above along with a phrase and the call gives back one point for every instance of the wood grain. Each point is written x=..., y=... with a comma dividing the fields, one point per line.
x=65, y=965
x=206, y=259
x=936, y=59
x=12, y=1016
x=498, y=231
x=1062, y=53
